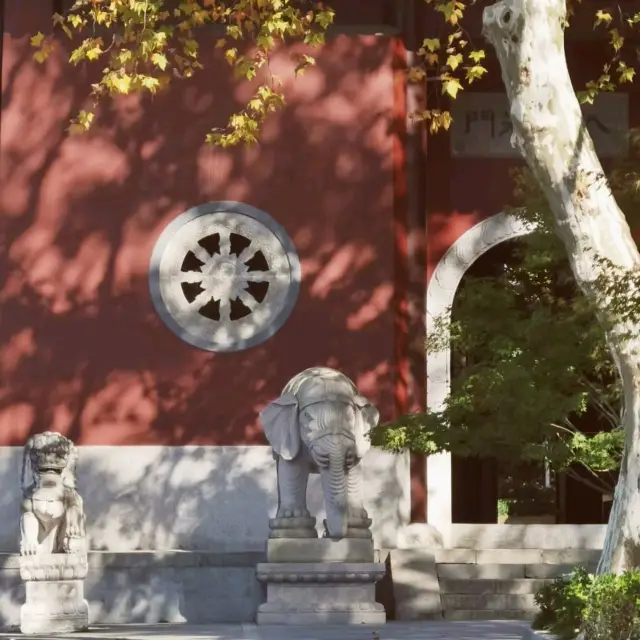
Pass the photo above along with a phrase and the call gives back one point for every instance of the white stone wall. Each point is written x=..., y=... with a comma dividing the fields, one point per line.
x=205, y=498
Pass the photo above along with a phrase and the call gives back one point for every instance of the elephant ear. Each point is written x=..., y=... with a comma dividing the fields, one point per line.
x=367, y=418
x=280, y=423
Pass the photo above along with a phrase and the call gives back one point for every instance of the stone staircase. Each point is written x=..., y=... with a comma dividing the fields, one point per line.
x=491, y=584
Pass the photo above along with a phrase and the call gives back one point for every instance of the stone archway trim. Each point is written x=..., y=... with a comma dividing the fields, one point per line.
x=441, y=292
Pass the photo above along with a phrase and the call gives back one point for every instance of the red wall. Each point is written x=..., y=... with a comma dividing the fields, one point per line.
x=82, y=350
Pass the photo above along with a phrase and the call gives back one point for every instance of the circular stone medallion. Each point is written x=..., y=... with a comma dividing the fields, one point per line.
x=224, y=276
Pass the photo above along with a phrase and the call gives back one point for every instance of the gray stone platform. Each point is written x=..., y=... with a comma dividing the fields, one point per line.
x=391, y=631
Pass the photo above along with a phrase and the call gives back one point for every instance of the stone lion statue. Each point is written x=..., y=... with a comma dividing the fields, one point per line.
x=52, y=514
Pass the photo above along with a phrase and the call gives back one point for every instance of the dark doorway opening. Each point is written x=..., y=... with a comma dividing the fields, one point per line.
x=486, y=491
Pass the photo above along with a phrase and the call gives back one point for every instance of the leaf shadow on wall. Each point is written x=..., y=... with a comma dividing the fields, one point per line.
x=83, y=351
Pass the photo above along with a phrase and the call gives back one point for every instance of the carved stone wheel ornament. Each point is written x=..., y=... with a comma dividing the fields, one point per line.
x=224, y=276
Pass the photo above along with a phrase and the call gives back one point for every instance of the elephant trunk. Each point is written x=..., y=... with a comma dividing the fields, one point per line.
x=335, y=490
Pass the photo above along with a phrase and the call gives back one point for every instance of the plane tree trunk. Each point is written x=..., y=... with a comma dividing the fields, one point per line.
x=549, y=130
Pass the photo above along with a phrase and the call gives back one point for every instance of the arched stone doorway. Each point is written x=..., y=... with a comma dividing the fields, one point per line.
x=441, y=292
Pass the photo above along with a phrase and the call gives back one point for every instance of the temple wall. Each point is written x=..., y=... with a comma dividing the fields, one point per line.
x=171, y=453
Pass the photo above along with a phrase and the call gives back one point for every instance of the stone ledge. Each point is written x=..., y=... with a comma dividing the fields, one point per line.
x=487, y=601
x=349, y=550
x=493, y=615
x=303, y=572
x=549, y=571
x=483, y=571
x=322, y=618
x=336, y=607
x=480, y=587
x=527, y=536
x=517, y=556
x=155, y=559
x=53, y=566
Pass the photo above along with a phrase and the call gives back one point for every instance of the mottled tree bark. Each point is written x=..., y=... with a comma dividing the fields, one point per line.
x=549, y=130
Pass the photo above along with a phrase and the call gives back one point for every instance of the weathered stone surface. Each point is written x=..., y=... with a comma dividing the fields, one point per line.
x=318, y=425
x=375, y=617
x=224, y=275
x=571, y=556
x=455, y=556
x=320, y=550
x=320, y=593
x=54, y=566
x=52, y=515
x=508, y=556
x=221, y=516
x=320, y=572
x=419, y=536
x=527, y=536
x=551, y=570
x=173, y=559
x=482, y=571
x=491, y=586
x=54, y=606
x=488, y=614
x=415, y=584
x=517, y=556
x=53, y=560
x=490, y=601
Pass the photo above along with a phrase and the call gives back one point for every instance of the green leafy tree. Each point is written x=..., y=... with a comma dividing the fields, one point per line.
x=144, y=45
x=533, y=360
x=604, y=607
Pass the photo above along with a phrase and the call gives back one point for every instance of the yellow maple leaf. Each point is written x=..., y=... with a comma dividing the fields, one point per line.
x=451, y=86
x=36, y=41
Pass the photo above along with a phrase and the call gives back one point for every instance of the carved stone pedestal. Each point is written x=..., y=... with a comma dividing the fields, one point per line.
x=328, y=587
x=293, y=527
x=54, y=585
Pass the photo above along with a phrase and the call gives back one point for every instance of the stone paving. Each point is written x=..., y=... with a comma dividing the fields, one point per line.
x=498, y=630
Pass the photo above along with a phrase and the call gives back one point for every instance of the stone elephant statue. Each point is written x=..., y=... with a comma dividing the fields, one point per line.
x=319, y=425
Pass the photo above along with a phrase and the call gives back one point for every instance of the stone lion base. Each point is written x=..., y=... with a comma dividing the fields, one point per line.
x=323, y=590
x=54, y=586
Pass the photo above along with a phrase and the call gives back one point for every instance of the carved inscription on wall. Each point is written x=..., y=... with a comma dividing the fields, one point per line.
x=482, y=127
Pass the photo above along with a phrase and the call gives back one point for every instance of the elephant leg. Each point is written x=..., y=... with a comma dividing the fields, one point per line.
x=359, y=521
x=293, y=519
x=293, y=477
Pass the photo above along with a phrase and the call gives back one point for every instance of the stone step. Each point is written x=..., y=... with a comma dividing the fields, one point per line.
x=487, y=614
x=551, y=571
x=503, y=571
x=522, y=586
x=517, y=556
x=487, y=601
x=527, y=536
x=481, y=571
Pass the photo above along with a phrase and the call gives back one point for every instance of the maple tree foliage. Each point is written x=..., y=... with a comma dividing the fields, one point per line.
x=147, y=44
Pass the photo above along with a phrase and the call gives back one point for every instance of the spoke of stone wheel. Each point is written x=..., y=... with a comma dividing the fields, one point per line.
x=259, y=276
x=191, y=276
x=201, y=253
x=225, y=309
x=246, y=254
x=225, y=243
x=248, y=299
